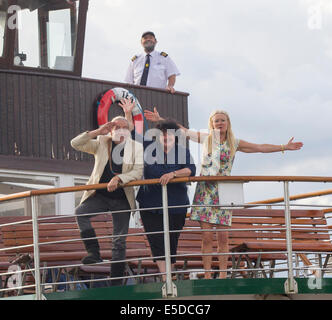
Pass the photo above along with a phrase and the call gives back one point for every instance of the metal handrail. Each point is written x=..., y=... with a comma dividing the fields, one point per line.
x=31, y=193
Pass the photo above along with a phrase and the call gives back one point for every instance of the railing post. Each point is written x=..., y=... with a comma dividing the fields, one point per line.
x=169, y=288
x=34, y=211
x=290, y=284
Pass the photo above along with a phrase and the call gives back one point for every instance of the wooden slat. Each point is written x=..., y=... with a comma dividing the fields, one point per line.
x=29, y=116
x=43, y=133
x=59, y=122
x=281, y=246
x=10, y=116
x=257, y=235
x=278, y=213
x=34, y=109
x=4, y=147
x=49, y=234
x=17, y=115
x=71, y=119
x=11, y=219
x=23, y=145
x=48, y=112
x=279, y=221
x=60, y=226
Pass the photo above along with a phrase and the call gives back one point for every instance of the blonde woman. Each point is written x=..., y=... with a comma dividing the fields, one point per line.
x=219, y=148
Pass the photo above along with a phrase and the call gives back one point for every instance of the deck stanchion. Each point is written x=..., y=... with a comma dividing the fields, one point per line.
x=169, y=288
x=290, y=284
x=34, y=210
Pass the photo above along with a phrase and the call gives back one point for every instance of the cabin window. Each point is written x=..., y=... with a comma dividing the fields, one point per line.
x=27, y=43
x=47, y=37
x=61, y=38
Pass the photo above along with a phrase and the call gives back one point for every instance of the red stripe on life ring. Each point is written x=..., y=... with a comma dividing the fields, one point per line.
x=104, y=106
x=138, y=123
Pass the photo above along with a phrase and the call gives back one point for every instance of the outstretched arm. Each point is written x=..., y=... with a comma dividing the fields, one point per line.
x=190, y=134
x=249, y=147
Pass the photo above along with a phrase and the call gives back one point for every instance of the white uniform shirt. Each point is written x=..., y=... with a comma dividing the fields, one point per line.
x=161, y=68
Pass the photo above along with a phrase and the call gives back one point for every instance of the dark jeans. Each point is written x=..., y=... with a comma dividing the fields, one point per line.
x=99, y=203
x=154, y=222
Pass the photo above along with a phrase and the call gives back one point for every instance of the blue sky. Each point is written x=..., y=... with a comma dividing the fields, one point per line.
x=268, y=63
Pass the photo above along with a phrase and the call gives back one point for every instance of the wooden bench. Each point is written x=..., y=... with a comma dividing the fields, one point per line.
x=190, y=242
x=65, y=254
x=189, y=253
x=308, y=238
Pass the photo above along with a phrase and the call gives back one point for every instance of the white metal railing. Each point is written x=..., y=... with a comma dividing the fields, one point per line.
x=169, y=287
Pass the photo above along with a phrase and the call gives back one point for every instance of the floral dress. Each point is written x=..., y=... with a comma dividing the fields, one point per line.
x=219, y=163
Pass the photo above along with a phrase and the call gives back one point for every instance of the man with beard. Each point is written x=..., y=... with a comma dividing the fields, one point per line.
x=118, y=160
x=152, y=68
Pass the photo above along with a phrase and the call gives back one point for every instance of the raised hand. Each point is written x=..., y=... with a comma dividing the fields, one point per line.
x=152, y=116
x=106, y=128
x=293, y=145
x=127, y=105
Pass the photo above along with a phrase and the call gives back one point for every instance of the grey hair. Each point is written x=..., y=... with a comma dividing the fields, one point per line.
x=120, y=118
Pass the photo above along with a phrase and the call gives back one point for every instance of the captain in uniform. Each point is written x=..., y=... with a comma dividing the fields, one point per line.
x=152, y=68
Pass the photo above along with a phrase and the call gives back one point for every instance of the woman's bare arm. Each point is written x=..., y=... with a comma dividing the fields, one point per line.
x=249, y=147
x=190, y=134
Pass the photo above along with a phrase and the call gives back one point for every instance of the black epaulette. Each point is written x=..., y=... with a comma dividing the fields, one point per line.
x=133, y=58
x=164, y=54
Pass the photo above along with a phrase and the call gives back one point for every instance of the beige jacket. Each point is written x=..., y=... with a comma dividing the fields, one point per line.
x=132, y=168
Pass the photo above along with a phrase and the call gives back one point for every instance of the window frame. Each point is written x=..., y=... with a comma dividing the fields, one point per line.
x=6, y=52
x=7, y=59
